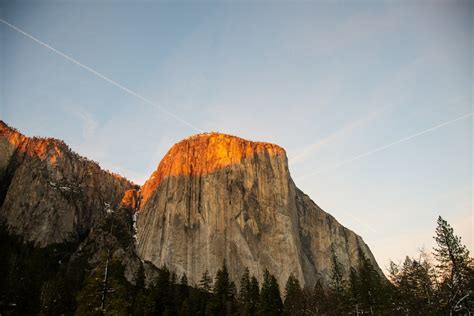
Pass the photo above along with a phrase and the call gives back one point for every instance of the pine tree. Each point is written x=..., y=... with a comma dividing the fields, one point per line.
x=183, y=282
x=88, y=300
x=454, y=265
x=224, y=291
x=143, y=304
x=415, y=285
x=319, y=299
x=244, y=294
x=427, y=282
x=183, y=290
x=337, y=279
x=254, y=295
x=163, y=290
x=337, y=284
x=369, y=284
x=293, y=304
x=355, y=286
x=231, y=304
x=206, y=282
x=398, y=276
x=270, y=298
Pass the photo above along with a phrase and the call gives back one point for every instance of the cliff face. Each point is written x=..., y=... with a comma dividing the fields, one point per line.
x=213, y=197
x=64, y=224
x=216, y=197
x=48, y=194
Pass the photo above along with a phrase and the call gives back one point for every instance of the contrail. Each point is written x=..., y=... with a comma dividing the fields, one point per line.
x=360, y=122
x=385, y=146
x=98, y=74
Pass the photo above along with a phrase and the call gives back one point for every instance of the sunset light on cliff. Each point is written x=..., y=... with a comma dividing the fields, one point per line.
x=208, y=153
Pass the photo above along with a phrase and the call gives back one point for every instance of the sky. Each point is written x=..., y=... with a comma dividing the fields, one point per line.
x=372, y=100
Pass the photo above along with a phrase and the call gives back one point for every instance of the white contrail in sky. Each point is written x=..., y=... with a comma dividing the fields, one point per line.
x=344, y=131
x=373, y=151
x=98, y=74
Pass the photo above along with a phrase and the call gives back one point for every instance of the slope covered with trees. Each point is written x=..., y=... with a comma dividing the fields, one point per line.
x=103, y=276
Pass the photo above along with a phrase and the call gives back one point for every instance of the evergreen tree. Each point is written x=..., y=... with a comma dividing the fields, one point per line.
x=427, y=282
x=354, y=287
x=183, y=287
x=232, y=304
x=369, y=284
x=337, y=288
x=415, y=286
x=143, y=303
x=454, y=265
x=206, y=282
x=88, y=299
x=270, y=298
x=254, y=296
x=318, y=300
x=244, y=294
x=163, y=290
x=224, y=292
x=293, y=304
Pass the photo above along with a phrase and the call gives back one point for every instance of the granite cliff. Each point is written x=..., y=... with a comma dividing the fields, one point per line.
x=63, y=222
x=213, y=197
x=216, y=197
x=48, y=193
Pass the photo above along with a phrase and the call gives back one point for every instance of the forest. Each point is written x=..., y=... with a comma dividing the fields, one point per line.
x=419, y=286
x=47, y=282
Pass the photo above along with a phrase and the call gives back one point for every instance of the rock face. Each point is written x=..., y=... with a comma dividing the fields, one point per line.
x=216, y=197
x=213, y=197
x=64, y=224
x=49, y=194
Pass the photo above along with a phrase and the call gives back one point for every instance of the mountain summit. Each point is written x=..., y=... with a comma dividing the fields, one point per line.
x=217, y=197
x=203, y=154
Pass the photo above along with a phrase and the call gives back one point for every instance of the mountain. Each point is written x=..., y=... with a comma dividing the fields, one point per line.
x=79, y=239
x=62, y=221
x=48, y=193
x=217, y=197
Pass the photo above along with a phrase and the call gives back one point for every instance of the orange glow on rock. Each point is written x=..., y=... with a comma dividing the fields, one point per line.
x=205, y=153
x=46, y=149
x=130, y=199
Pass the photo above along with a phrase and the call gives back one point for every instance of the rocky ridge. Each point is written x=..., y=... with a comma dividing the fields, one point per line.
x=48, y=193
x=64, y=224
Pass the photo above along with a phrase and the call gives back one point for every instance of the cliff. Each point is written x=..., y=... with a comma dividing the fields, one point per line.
x=64, y=224
x=216, y=197
x=213, y=197
x=48, y=193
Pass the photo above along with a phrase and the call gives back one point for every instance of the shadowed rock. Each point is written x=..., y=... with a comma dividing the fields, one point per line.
x=49, y=194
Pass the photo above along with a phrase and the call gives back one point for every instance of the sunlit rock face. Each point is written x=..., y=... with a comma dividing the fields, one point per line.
x=49, y=194
x=217, y=197
x=130, y=199
x=203, y=154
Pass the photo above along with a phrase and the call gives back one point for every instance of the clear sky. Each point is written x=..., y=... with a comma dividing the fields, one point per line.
x=330, y=81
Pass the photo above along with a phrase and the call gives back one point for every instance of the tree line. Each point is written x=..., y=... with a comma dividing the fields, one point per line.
x=33, y=281
x=421, y=286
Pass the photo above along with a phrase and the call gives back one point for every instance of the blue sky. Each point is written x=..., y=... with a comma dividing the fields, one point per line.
x=328, y=81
